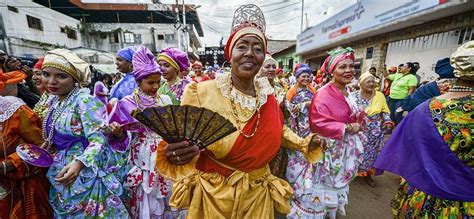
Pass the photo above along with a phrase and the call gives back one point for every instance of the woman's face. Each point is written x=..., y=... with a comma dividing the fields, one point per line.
x=368, y=85
x=344, y=71
x=405, y=69
x=304, y=79
x=123, y=65
x=150, y=84
x=38, y=79
x=247, y=57
x=169, y=72
x=269, y=70
x=58, y=82
x=198, y=70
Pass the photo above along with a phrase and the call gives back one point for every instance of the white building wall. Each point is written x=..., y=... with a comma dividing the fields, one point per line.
x=426, y=50
x=28, y=42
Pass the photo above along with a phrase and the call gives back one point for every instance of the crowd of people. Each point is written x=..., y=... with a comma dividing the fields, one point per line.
x=299, y=143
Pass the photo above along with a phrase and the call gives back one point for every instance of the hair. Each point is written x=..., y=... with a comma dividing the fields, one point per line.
x=375, y=69
x=106, y=76
x=412, y=68
x=400, y=65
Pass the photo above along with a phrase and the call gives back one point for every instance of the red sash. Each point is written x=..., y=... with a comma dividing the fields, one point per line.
x=249, y=154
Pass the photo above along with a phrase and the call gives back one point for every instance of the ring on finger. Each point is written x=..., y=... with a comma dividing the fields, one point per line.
x=177, y=158
x=174, y=153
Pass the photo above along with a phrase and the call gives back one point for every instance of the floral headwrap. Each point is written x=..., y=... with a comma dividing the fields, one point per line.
x=335, y=56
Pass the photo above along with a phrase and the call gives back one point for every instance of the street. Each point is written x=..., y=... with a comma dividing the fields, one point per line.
x=368, y=202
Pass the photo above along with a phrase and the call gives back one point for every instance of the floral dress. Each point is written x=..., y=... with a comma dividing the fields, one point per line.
x=374, y=133
x=454, y=120
x=145, y=189
x=77, y=136
x=175, y=91
x=322, y=188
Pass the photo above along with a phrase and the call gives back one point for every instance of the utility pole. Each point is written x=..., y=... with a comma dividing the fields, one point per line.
x=185, y=37
x=307, y=20
x=302, y=11
x=178, y=25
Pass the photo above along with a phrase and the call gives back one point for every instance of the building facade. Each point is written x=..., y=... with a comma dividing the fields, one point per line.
x=393, y=32
x=28, y=29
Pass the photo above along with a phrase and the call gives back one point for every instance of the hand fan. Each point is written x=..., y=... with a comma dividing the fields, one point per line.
x=34, y=155
x=174, y=123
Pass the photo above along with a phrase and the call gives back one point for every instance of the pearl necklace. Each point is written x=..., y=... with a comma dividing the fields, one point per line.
x=459, y=88
x=56, y=109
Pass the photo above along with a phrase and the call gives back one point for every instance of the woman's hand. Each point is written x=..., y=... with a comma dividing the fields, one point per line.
x=387, y=125
x=69, y=173
x=353, y=127
x=116, y=130
x=181, y=153
x=317, y=141
x=307, y=104
x=46, y=145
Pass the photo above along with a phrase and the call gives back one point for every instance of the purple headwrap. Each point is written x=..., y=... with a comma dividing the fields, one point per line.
x=126, y=53
x=335, y=56
x=177, y=58
x=303, y=68
x=144, y=64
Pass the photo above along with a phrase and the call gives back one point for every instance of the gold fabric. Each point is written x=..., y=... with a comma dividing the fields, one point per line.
x=463, y=61
x=67, y=61
x=252, y=31
x=168, y=59
x=241, y=195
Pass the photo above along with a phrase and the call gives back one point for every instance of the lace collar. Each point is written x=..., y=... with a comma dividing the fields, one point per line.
x=8, y=106
x=262, y=87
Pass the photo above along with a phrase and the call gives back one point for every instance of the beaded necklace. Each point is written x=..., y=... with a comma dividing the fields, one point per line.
x=236, y=117
x=57, y=108
x=459, y=88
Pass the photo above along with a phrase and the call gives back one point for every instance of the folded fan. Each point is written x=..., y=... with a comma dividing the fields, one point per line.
x=199, y=126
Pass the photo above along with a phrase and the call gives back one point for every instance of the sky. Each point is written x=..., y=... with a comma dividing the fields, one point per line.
x=283, y=17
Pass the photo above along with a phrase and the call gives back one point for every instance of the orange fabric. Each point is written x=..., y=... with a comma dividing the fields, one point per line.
x=292, y=91
x=13, y=77
x=24, y=127
x=248, y=154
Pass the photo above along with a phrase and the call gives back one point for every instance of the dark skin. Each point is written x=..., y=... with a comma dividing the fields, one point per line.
x=247, y=57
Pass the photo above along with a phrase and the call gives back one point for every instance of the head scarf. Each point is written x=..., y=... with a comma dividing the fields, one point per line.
x=144, y=64
x=67, y=61
x=197, y=63
x=248, y=21
x=463, y=61
x=303, y=68
x=444, y=69
x=126, y=53
x=268, y=58
x=175, y=57
x=39, y=63
x=335, y=56
x=364, y=77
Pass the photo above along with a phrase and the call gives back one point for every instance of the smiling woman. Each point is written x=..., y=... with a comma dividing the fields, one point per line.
x=231, y=178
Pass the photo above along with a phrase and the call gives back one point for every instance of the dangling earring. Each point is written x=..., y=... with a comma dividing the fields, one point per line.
x=76, y=84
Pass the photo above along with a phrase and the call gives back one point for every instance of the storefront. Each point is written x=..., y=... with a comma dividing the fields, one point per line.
x=392, y=32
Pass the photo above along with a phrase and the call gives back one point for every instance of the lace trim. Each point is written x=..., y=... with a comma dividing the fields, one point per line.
x=262, y=86
x=8, y=106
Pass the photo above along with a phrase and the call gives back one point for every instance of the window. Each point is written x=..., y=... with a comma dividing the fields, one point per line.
x=63, y=29
x=290, y=63
x=72, y=34
x=129, y=38
x=114, y=37
x=12, y=8
x=103, y=35
x=370, y=53
x=34, y=23
x=160, y=36
x=169, y=38
x=465, y=35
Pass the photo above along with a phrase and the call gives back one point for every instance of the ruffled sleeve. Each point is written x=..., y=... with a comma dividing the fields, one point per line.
x=292, y=141
x=163, y=166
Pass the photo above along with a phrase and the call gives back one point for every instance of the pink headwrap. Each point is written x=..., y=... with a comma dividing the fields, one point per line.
x=335, y=56
x=144, y=64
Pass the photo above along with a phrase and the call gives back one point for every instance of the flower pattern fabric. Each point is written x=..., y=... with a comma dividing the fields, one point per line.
x=374, y=133
x=454, y=120
x=322, y=188
x=96, y=191
x=174, y=91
